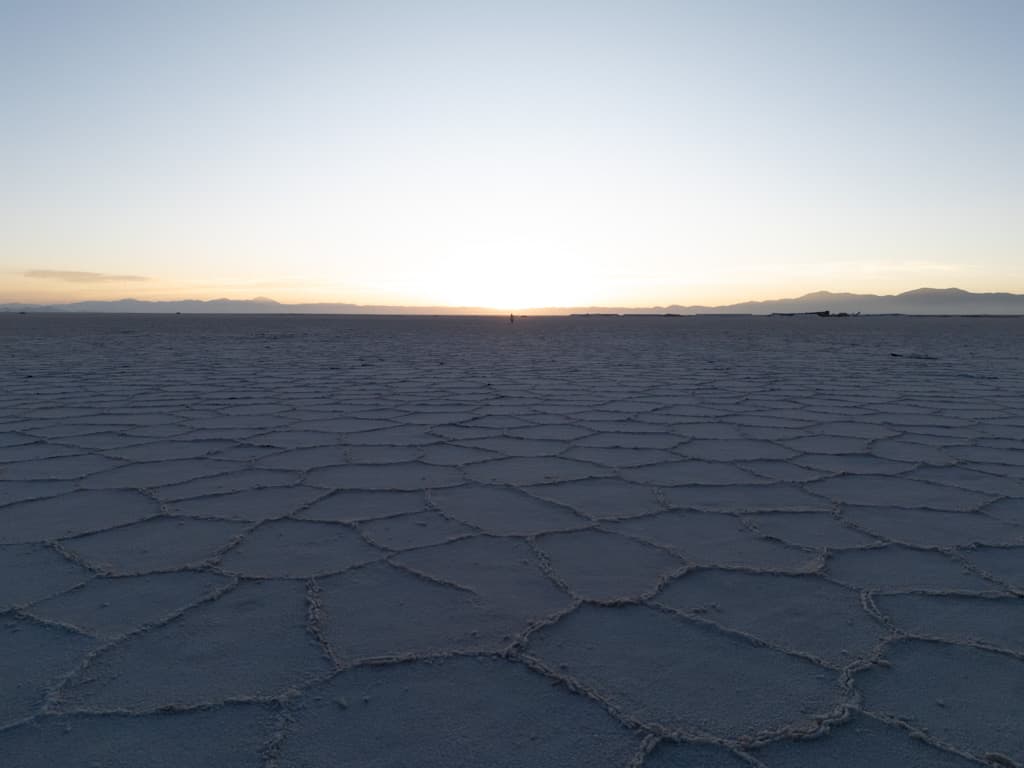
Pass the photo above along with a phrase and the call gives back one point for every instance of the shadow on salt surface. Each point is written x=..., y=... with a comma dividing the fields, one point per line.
x=663, y=670
x=964, y=696
x=897, y=569
x=603, y=567
x=232, y=482
x=505, y=574
x=404, y=476
x=111, y=607
x=353, y=506
x=639, y=440
x=784, y=611
x=620, y=458
x=533, y=471
x=227, y=737
x=995, y=621
x=997, y=469
x=168, y=450
x=13, y=440
x=601, y=498
x=420, y=529
x=504, y=511
x=515, y=446
x=456, y=455
x=710, y=538
x=734, y=450
x=298, y=549
x=770, y=497
x=252, y=505
x=930, y=528
x=34, y=452
x=31, y=572
x=12, y=491
x=474, y=594
x=863, y=742
x=60, y=468
x=818, y=530
x=670, y=755
x=73, y=514
x=157, y=544
x=951, y=479
x=295, y=440
x=1005, y=564
x=691, y=472
x=397, y=436
x=854, y=464
x=901, y=450
x=33, y=659
x=453, y=712
x=888, y=491
x=783, y=471
x=156, y=473
x=383, y=612
x=250, y=642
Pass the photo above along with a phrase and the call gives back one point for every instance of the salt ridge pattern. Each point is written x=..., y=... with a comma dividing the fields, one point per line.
x=253, y=541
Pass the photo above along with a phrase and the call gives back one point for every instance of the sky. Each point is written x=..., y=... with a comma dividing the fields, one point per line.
x=520, y=154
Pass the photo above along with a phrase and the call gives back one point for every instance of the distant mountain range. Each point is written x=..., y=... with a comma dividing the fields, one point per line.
x=923, y=301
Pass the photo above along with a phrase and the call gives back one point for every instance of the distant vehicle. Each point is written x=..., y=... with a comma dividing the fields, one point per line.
x=822, y=313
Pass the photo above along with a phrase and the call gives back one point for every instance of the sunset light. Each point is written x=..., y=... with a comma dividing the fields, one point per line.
x=508, y=155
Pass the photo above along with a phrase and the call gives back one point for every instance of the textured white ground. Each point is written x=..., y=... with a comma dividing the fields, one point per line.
x=303, y=541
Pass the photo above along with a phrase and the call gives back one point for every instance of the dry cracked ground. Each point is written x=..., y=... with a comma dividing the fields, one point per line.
x=658, y=542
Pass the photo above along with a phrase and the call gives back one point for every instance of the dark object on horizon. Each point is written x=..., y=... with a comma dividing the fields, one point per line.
x=511, y=318
x=822, y=313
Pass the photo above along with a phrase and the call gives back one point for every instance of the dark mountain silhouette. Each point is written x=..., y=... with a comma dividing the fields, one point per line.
x=922, y=301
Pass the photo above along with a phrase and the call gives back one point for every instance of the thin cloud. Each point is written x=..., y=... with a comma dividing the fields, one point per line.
x=68, y=276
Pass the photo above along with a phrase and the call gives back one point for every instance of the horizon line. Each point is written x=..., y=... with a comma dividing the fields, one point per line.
x=163, y=306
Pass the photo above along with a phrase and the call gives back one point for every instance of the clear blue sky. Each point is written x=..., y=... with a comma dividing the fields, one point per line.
x=509, y=154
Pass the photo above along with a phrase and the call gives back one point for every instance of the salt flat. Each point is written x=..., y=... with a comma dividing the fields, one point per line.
x=660, y=542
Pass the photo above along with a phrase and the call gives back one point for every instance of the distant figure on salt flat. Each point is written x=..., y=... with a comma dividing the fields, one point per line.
x=511, y=318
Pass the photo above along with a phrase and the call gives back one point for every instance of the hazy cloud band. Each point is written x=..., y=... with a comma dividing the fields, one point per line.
x=69, y=276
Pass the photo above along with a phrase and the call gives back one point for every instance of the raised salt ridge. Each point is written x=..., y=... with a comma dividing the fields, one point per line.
x=273, y=542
